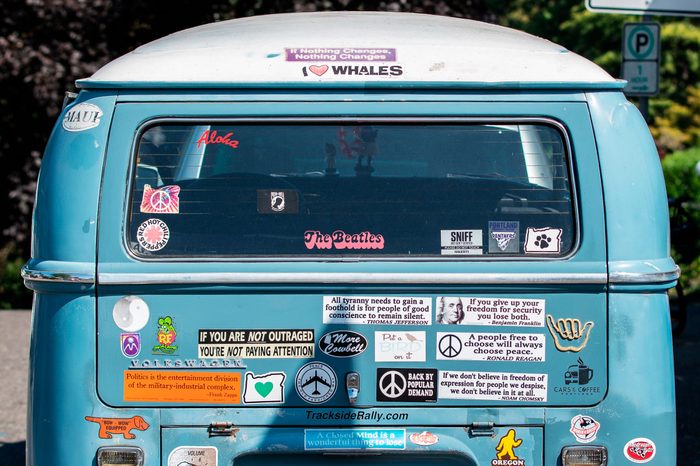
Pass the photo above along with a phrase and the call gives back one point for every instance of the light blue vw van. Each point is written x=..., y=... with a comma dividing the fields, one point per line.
x=351, y=238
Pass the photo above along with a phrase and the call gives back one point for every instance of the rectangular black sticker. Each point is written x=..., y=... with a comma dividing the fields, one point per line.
x=263, y=343
x=407, y=385
x=278, y=201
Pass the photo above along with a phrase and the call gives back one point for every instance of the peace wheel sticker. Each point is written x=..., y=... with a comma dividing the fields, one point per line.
x=450, y=346
x=163, y=200
x=392, y=384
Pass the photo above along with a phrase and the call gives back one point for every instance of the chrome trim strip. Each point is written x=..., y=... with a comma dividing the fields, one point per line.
x=56, y=277
x=645, y=277
x=352, y=278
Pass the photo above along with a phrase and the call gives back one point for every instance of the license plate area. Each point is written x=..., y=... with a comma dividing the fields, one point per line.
x=343, y=446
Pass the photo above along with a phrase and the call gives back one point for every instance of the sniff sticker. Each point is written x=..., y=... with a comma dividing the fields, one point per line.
x=284, y=201
x=166, y=336
x=504, y=237
x=543, y=240
x=584, y=428
x=266, y=388
x=81, y=117
x=130, y=344
x=640, y=450
x=118, y=426
x=193, y=456
x=505, y=450
x=569, y=334
x=163, y=200
x=316, y=382
x=461, y=242
x=407, y=385
x=153, y=234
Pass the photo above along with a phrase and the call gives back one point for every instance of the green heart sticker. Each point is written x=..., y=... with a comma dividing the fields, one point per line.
x=263, y=389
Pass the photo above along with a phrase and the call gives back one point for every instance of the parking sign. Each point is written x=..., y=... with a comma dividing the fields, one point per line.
x=640, y=58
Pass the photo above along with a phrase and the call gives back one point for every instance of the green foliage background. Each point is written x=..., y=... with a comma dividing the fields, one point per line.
x=47, y=44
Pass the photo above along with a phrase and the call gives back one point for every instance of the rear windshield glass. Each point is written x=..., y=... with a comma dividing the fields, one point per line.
x=443, y=190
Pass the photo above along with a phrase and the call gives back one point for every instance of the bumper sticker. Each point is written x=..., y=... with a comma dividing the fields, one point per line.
x=505, y=450
x=472, y=310
x=584, y=428
x=407, y=385
x=316, y=382
x=569, y=334
x=377, y=310
x=256, y=344
x=173, y=386
x=266, y=388
x=461, y=242
x=399, y=346
x=640, y=450
x=495, y=386
x=119, y=426
x=491, y=346
x=354, y=439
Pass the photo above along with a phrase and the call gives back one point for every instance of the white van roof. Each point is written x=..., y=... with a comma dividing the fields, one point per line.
x=350, y=49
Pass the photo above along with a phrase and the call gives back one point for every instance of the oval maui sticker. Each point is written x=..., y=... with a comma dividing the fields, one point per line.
x=640, y=450
x=81, y=117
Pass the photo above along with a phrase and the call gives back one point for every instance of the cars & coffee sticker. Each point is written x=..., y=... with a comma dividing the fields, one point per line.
x=163, y=200
x=153, y=234
x=424, y=439
x=266, y=388
x=584, y=428
x=543, y=240
x=505, y=450
x=473, y=310
x=640, y=450
x=316, y=382
x=377, y=310
x=494, y=386
x=406, y=385
x=82, y=116
x=193, y=456
x=399, y=346
x=472, y=346
x=342, y=343
x=461, y=242
x=569, y=334
x=256, y=344
x=111, y=426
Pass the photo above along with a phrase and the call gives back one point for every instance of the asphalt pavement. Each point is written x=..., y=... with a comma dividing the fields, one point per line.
x=14, y=352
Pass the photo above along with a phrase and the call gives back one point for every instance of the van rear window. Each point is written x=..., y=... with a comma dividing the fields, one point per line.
x=352, y=189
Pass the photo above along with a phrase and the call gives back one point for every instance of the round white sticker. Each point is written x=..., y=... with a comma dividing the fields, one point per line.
x=316, y=382
x=81, y=117
x=153, y=234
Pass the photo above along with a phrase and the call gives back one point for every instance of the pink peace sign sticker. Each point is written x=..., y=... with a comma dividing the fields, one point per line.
x=163, y=200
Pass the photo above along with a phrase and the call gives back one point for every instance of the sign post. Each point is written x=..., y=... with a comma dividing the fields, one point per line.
x=646, y=7
x=641, y=52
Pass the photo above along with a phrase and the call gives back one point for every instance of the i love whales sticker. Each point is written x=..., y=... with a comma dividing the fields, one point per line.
x=266, y=388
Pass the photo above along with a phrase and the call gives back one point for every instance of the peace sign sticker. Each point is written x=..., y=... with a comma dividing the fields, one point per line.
x=407, y=385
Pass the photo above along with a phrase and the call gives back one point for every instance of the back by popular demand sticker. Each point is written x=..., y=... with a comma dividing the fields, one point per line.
x=377, y=310
x=354, y=439
x=461, y=242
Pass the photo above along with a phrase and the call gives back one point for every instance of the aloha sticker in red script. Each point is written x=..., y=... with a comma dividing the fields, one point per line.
x=153, y=234
x=341, y=240
x=163, y=200
x=424, y=438
x=640, y=450
x=211, y=137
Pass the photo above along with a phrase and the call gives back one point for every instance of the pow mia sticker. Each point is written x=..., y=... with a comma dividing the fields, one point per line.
x=282, y=201
x=193, y=456
x=412, y=385
x=153, y=234
x=81, y=117
x=316, y=382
